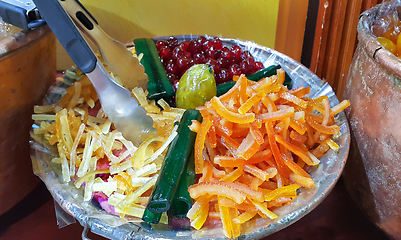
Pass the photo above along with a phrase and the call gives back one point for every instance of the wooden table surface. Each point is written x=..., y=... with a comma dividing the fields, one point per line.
x=337, y=217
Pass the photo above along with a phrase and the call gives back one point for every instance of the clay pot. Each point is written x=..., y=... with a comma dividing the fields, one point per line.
x=27, y=69
x=373, y=171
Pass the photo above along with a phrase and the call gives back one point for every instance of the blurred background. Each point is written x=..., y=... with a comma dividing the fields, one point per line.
x=319, y=34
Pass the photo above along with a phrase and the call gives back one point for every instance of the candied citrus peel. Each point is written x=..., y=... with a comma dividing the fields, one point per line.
x=230, y=115
x=254, y=149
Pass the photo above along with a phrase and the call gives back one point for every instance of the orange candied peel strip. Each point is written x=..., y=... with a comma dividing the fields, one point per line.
x=200, y=143
x=340, y=107
x=278, y=115
x=254, y=149
x=214, y=188
x=251, y=101
x=229, y=115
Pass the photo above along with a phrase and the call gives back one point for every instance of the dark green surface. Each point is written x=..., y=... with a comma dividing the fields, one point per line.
x=174, y=164
x=158, y=86
x=182, y=201
x=151, y=217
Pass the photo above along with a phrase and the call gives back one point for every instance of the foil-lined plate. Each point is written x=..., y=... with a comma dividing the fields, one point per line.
x=325, y=175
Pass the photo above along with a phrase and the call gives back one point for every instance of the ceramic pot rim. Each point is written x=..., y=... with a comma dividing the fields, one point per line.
x=369, y=41
x=21, y=40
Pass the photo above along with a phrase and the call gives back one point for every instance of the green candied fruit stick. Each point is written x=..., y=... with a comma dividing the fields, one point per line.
x=168, y=92
x=263, y=73
x=151, y=217
x=224, y=87
x=158, y=86
x=182, y=201
x=142, y=47
x=174, y=163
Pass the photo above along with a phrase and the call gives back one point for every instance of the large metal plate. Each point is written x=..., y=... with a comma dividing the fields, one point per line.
x=109, y=226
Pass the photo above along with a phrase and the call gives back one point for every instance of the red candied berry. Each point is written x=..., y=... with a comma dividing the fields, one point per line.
x=165, y=62
x=225, y=52
x=234, y=69
x=237, y=51
x=245, y=55
x=177, y=52
x=171, y=67
x=217, y=43
x=188, y=55
x=223, y=76
x=201, y=40
x=246, y=68
x=258, y=66
x=218, y=54
x=211, y=52
x=191, y=63
x=199, y=58
x=223, y=62
x=172, y=77
x=165, y=53
x=206, y=45
x=184, y=45
x=182, y=64
x=194, y=47
x=251, y=61
x=214, y=64
x=172, y=42
x=175, y=84
x=160, y=44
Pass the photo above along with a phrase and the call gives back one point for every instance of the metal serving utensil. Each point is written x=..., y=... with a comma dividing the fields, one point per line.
x=119, y=60
x=121, y=108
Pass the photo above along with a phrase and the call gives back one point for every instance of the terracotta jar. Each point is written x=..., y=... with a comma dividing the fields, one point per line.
x=373, y=171
x=27, y=69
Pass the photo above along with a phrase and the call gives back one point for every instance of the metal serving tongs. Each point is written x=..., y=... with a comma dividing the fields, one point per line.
x=119, y=60
x=122, y=109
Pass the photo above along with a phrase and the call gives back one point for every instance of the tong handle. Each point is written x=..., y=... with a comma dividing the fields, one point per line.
x=85, y=10
x=21, y=13
x=85, y=22
x=67, y=33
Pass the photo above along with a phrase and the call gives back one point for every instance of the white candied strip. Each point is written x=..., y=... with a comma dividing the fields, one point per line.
x=134, y=210
x=88, y=150
x=106, y=126
x=139, y=181
x=44, y=117
x=64, y=164
x=88, y=189
x=97, y=119
x=137, y=193
x=163, y=147
x=104, y=186
x=120, y=167
x=145, y=171
x=128, y=144
x=115, y=198
x=73, y=153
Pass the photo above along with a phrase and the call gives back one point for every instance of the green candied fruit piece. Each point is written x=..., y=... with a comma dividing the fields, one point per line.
x=196, y=86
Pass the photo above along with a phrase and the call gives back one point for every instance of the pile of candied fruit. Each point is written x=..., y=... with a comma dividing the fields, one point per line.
x=388, y=29
x=226, y=62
